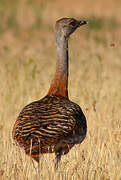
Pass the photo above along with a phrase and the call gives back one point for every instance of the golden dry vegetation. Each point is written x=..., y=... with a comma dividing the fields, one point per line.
x=27, y=66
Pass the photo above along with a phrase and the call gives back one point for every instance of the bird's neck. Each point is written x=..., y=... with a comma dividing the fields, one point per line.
x=59, y=85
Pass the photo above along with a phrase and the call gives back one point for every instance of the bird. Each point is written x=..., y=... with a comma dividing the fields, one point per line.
x=53, y=124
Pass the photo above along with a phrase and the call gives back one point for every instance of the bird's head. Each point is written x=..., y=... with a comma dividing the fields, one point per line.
x=66, y=26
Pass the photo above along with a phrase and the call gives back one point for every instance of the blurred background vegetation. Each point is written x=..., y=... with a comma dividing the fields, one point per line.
x=24, y=15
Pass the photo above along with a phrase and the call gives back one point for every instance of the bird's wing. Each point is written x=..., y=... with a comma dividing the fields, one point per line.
x=49, y=123
x=48, y=128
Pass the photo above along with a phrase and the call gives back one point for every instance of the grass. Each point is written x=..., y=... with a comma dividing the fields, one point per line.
x=99, y=23
x=18, y=14
x=27, y=66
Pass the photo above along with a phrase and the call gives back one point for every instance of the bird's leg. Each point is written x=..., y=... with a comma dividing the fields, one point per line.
x=39, y=167
x=58, y=158
x=39, y=157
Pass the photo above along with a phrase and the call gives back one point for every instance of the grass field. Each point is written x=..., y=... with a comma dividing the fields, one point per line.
x=27, y=66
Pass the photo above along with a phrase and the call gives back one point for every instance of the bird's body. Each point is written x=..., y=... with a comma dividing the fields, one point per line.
x=53, y=124
x=44, y=125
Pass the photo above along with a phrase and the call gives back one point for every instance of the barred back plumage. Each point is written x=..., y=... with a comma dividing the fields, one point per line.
x=53, y=124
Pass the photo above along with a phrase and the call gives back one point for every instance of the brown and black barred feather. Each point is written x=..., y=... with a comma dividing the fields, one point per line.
x=52, y=124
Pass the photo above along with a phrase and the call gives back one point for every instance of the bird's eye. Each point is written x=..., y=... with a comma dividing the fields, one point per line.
x=73, y=23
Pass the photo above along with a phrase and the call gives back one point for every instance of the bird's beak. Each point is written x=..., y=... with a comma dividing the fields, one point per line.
x=82, y=22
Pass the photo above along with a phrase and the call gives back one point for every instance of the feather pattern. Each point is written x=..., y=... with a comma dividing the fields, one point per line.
x=44, y=124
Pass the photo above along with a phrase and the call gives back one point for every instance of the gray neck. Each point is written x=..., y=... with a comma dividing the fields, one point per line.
x=59, y=85
x=62, y=56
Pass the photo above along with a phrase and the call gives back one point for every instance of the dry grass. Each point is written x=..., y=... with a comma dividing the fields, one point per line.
x=27, y=65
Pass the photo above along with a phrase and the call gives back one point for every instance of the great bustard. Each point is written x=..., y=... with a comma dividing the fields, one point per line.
x=53, y=124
